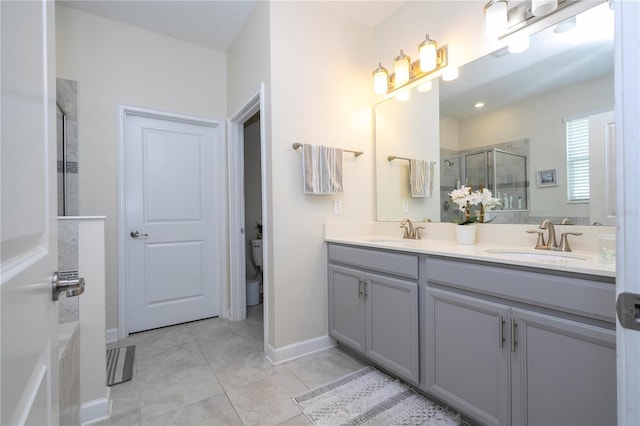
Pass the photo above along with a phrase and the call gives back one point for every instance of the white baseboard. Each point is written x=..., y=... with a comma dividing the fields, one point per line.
x=297, y=350
x=96, y=410
x=112, y=335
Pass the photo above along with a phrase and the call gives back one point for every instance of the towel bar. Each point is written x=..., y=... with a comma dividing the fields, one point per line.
x=355, y=153
x=395, y=157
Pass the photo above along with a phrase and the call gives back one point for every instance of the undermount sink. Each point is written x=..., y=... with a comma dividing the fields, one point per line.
x=385, y=240
x=538, y=254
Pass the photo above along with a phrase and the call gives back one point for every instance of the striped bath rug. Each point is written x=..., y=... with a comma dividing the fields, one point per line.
x=120, y=364
x=369, y=397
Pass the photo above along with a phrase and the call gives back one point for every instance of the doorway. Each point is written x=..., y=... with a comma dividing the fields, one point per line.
x=242, y=227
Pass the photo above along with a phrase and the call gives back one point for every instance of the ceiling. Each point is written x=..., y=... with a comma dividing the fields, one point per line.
x=213, y=24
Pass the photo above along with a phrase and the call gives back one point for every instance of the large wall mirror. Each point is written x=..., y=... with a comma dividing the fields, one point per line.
x=559, y=91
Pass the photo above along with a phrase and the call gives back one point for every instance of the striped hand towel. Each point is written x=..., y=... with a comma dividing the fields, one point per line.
x=321, y=169
x=421, y=178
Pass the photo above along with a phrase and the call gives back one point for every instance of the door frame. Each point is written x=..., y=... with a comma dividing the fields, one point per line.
x=125, y=110
x=237, y=268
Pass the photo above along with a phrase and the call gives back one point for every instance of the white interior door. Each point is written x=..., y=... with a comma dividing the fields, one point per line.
x=173, y=263
x=28, y=315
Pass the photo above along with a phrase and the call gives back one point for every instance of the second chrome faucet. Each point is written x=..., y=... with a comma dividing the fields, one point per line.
x=551, y=243
x=410, y=233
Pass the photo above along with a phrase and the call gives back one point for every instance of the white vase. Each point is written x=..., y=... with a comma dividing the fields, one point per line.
x=466, y=234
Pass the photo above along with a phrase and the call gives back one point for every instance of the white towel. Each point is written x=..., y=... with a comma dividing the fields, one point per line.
x=321, y=169
x=421, y=178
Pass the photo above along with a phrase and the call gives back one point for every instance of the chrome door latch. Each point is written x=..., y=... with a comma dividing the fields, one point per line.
x=71, y=288
x=628, y=309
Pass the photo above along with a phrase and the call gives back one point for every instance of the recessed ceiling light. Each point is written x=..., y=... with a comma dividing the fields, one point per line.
x=478, y=105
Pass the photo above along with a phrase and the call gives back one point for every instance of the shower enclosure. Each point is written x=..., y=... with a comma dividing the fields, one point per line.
x=504, y=173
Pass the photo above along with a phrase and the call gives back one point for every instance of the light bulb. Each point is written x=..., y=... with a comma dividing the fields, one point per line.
x=428, y=55
x=519, y=44
x=403, y=95
x=496, y=18
x=451, y=73
x=380, y=80
x=402, y=69
x=425, y=87
x=543, y=7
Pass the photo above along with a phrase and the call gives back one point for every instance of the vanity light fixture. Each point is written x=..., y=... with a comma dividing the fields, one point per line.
x=432, y=59
x=478, y=105
x=380, y=80
x=501, y=20
x=428, y=55
x=543, y=7
x=402, y=69
x=496, y=14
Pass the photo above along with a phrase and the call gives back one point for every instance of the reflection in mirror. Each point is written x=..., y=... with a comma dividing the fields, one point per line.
x=528, y=99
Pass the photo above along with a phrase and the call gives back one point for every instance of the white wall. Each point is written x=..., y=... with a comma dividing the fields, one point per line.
x=321, y=93
x=116, y=63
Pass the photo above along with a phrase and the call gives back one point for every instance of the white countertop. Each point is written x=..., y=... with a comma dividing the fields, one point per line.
x=588, y=264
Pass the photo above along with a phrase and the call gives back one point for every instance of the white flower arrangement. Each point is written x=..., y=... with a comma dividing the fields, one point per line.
x=465, y=198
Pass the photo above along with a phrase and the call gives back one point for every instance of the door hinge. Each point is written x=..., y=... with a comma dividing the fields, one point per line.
x=628, y=309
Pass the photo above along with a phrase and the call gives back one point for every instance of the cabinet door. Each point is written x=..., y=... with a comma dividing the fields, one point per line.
x=346, y=306
x=467, y=355
x=392, y=324
x=563, y=372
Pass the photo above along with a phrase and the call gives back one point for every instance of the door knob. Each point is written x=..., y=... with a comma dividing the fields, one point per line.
x=136, y=234
x=71, y=288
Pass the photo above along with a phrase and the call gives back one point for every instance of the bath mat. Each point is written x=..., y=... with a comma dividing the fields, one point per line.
x=369, y=397
x=120, y=364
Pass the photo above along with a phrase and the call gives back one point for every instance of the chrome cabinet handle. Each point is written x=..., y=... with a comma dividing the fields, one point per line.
x=513, y=335
x=70, y=288
x=136, y=234
x=360, y=287
x=365, y=289
x=501, y=331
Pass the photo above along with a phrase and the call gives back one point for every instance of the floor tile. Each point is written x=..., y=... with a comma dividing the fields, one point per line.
x=162, y=339
x=323, y=367
x=267, y=401
x=169, y=361
x=216, y=410
x=245, y=368
x=163, y=394
x=230, y=347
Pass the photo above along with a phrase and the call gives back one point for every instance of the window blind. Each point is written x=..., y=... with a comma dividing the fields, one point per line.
x=578, y=159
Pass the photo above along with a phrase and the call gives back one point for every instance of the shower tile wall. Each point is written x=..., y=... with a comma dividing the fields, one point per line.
x=451, y=171
x=67, y=98
x=68, y=231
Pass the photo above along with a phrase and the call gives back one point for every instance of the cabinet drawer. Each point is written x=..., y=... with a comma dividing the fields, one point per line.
x=404, y=265
x=574, y=295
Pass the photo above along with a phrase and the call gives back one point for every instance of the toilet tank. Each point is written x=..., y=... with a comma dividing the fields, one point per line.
x=256, y=249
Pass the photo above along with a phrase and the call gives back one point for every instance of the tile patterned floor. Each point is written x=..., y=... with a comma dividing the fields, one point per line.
x=213, y=372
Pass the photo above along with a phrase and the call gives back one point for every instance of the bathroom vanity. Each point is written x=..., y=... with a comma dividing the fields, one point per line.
x=505, y=340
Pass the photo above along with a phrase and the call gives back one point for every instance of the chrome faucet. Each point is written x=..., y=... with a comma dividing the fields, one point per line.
x=551, y=243
x=410, y=233
x=551, y=236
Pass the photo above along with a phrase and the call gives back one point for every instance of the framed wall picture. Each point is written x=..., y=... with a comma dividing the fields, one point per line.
x=547, y=177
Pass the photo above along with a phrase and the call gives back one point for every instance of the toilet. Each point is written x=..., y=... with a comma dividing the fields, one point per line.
x=254, y=284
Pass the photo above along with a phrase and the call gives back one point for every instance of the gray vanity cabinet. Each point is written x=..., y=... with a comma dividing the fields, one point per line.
x=503, y=362
x=373, y=313
x=562, y=372
x=467, y=360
